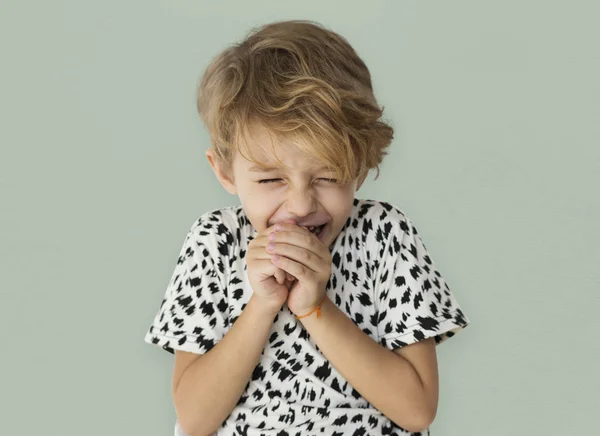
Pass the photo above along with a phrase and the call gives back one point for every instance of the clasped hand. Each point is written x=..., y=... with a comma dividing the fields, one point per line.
x=288, y=262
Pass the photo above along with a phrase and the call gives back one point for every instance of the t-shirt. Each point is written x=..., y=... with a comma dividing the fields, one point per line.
x=382, y=278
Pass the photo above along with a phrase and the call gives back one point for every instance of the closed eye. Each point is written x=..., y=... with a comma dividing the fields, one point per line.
x=277, y=180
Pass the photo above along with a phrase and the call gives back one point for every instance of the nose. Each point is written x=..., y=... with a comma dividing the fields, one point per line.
x=301, y=202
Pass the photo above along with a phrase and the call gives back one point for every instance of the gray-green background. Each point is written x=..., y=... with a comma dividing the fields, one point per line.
x=102, y=171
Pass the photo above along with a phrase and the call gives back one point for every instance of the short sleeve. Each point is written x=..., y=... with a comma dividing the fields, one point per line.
x=414, y=301
x=193, y=313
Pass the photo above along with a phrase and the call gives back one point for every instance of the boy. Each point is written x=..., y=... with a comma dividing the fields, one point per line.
x=303, y=311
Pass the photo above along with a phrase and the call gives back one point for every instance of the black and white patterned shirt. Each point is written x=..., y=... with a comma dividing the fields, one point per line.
x=382, y=278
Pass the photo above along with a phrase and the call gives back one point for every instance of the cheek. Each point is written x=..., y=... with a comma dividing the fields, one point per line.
x=344, y=205
x=258, y=205
x=338, y=205
x=343, y=200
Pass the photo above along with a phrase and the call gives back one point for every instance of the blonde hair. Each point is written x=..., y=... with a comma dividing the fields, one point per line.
x=301, y=82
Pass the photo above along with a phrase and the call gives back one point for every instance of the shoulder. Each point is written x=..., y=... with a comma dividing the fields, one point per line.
x=378, y=220
x=216, y=220
x=218, y=227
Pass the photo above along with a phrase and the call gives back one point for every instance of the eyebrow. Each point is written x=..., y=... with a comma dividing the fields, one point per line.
x=261, y=169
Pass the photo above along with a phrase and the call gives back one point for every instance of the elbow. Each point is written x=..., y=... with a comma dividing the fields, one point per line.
x=425, y=421
x=423, y=415
x=420, y=426
x=420, y=422
x=192, y=423
x=185, y=429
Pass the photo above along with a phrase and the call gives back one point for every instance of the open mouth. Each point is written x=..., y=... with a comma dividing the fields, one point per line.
x=317, y=230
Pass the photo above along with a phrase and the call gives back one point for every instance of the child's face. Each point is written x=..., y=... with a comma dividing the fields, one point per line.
x=302, y=191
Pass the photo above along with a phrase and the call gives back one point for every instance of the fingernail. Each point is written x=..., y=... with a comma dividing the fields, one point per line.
x=277, y=226
x=271, y=246
x=272, y=236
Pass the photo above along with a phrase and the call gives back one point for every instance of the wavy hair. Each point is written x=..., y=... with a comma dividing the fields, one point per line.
x=303, y=83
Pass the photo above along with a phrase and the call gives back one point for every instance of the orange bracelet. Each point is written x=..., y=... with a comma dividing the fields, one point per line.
x=317, y=309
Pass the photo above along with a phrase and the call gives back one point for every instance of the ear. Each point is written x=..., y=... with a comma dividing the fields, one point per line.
x=221, y=171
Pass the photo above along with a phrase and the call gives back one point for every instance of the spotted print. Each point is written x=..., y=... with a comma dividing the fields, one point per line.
x=382, y=278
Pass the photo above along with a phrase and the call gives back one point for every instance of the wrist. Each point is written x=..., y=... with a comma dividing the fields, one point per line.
x=326, y=310
x=262, y=307
x=315, y=311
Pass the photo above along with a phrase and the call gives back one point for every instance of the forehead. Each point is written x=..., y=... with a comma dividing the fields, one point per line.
x=261, y=150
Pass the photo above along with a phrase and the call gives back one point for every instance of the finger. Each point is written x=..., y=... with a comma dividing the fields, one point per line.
x=289, y=222
x=301, y=272
x=299, y=254
x=260, y=251
x=287, y=227
x=275, y=226
x=302, y=238
x=262, y=238
x=280, y=276
x=269, y=270
x=261, y=241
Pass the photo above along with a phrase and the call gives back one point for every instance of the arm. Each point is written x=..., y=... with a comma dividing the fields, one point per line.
x=403, y=385
x=207, y=388
x=405, y=392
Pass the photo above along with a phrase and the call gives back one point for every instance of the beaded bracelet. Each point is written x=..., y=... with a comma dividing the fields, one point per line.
x=317, y=309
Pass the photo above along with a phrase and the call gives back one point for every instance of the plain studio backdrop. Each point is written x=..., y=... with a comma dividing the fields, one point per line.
x=496, y=159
